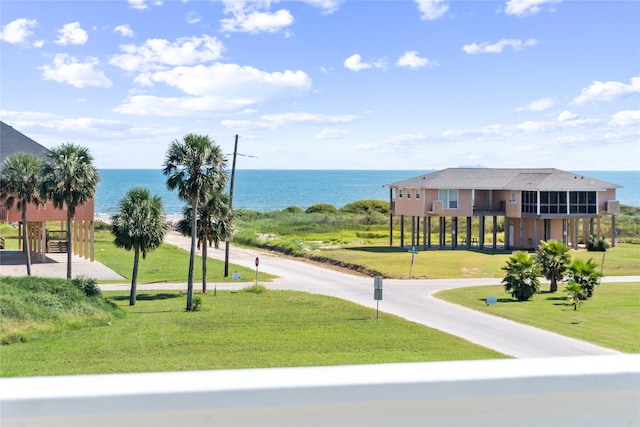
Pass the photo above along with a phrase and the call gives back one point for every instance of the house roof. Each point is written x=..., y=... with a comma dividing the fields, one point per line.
x=12, y=141
x=544, y=179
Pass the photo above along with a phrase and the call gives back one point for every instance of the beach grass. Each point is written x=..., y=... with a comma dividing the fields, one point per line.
x=611, y=318
x=252, y=328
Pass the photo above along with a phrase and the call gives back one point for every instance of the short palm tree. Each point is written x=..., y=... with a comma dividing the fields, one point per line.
x=20, y=184
x=139, y=225
x=553, y=258
x=521, y=277
x=585, y=274
x=195, y=167
x=213, y=225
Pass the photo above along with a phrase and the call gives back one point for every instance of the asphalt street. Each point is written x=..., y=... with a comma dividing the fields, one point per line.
x=409, y=299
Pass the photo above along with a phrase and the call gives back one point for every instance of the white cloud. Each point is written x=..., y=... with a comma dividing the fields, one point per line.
x=124, y=30
x=328, y=133
x=72, y=33
x=156, y=54
x=566, y=115
x=67, y=69
x=18, y=31
x=432, y=9
x=411, y=59
x=521, y=8
x=142, y=4
x=607, y=91
x=277, y=121
x=147, y=105
x=625, y=118
x=327, y=6
x=354, y=63
x=254, y=17
x=498, y=47
x=542, y=104
x=231, y=80
x=217, y=88
x=193, y=17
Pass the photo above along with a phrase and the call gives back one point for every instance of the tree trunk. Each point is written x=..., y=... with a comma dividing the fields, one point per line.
x=134, y=276
x=554, y=284
x=194, y=224
x=204, y=267
x=69, y=243
x=25, y=237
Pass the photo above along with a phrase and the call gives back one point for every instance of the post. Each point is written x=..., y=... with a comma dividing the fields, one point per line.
x=227, y=238
x=377, y=291
x=257, y=263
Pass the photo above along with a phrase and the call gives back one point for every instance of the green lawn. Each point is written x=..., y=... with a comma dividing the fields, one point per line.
x=611, y=318
x=235, y=330
x=393, y=262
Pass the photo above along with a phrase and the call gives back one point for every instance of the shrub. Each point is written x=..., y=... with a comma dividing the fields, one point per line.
x=197, y=303
x=597, y=243
x=365, y=206
x=255, y=289
x=322, y=208
x=293, y=210
x=86, y=285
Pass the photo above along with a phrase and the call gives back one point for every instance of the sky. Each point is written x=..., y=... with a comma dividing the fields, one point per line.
x=328, y=84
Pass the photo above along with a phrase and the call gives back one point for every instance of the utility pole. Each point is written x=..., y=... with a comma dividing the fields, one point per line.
x=227, y=240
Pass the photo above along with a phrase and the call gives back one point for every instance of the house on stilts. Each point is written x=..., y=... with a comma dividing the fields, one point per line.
x=46, y=224
x=528, y=205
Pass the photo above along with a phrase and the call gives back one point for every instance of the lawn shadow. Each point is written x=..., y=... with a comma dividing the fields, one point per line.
x=376, y=249
x=484, y=300
x=147, y=297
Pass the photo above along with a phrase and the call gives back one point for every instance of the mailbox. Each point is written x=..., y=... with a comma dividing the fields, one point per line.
x=377, y=288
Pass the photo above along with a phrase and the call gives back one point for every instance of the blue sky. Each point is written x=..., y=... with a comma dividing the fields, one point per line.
x=325, y=84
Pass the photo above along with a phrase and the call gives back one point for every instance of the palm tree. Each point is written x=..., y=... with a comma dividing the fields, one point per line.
x=553, y=258
x=585, y=274
x=522, y=276
x=139, y=225
x=20, y=181
x=213, y=225
x=195, y=167
x=69, y=180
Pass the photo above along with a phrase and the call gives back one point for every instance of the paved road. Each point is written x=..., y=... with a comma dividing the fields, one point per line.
x=410, y=299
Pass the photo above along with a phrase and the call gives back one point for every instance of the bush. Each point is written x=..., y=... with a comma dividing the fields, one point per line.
x=197, y=303
x=322, y=208
x=597, y=243
x=255, y=289
x=86, y=285
x=366, y=206
x=293, y=210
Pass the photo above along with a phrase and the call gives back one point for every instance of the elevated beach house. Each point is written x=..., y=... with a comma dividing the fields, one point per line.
x=529, y=205
x=46, y=224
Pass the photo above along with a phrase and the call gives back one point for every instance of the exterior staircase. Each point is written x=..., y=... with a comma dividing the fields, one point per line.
x=57, y=246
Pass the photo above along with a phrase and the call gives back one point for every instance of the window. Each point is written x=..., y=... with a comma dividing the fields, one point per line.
x=408, y=193
x=417, y=193
x=529, y=202
x=449, y=198
x=399, y=193
x=582, y=202
x=512, y=199
x=553, y=202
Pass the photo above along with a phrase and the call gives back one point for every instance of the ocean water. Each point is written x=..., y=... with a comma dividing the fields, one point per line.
x=275, y=189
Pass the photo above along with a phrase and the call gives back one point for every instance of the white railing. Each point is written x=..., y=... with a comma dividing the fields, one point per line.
x=577, y=391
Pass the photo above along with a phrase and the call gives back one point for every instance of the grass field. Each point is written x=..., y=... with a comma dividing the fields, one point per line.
x=235, y=330
x=611, y=318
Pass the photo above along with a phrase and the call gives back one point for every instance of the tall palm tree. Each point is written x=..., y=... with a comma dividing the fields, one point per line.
x=69, y=179
x=139, y=225
x=20, y=182
x=195, y=167
x=521, y=277
x=213, y=225
x=553, y=258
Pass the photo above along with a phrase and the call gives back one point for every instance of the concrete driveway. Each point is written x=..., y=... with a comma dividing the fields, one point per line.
x=410, y=299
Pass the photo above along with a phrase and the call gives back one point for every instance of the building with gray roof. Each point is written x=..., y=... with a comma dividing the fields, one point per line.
x=525, y=206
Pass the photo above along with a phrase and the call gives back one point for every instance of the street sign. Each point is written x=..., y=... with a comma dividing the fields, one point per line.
x=257, y=261
x=413, y=251
x=377, y=291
